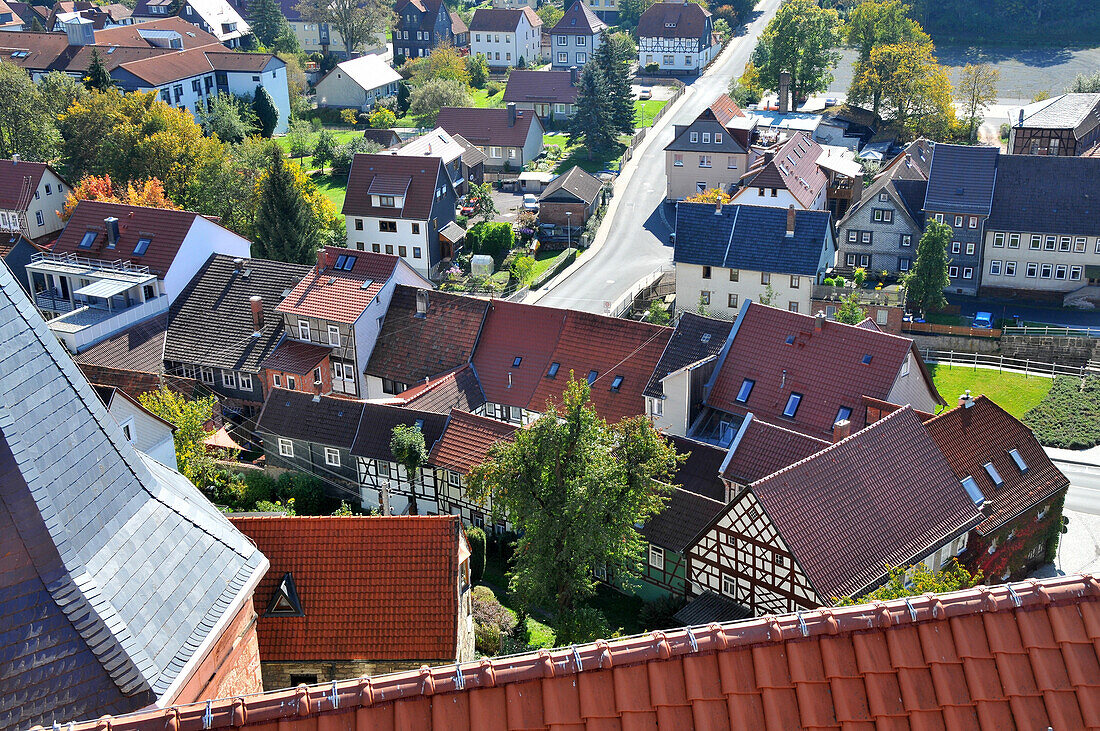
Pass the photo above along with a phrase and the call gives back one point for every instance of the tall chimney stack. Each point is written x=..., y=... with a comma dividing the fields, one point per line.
x=819, y=321
x=320, y=260
x=111, y=224
x=511, y=114
x=574, y=75
x=257, y=304
x=790, y=220
x=784, y=91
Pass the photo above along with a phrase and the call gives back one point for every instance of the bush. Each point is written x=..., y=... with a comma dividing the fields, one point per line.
x=1069, y=415
x=493, y=88
x=266, y=506
x=658, y=614
x=494, y=239
x=492, y=621
x=382, y=118
x=349, y=116
x=652, y=68
x=258, y=487
x=521, y=268
x=476, y=537
x=307, y=493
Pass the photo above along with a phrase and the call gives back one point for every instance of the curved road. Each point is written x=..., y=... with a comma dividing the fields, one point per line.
x=631, y=243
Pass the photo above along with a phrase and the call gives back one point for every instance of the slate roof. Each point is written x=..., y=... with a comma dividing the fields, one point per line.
x=1048, y=194
x=371, y=588
x=502, y=20
x=471, y=155
x=905, y=178
x=295, y=415
x=695, y=338
x=707, y=121
x=550, y=87
x=456, y=389
x=338, y=294
x=121, y=568
x=793, y=168
x=295, y=356
x=710, y=607
x=137, y=348
x=372, y=438
x=825, y=366
x=574, y=184
x=698, y=495
x=916, y=158
x=14, y=176
x=1065, y=111
x=485, y=127
x=961, y=179
x=420, y=173
x=983, y=433
x=751, y=237
x=912, y=193
x=761, y=449
x=578, y=20
x=674, y=20
x=411, y=348
x=210, y=322
x=467, y=439
x=1013, y=656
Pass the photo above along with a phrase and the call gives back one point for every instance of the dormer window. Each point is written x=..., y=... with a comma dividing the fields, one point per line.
x=142, y=246
x=1015, y=454
x=386, y=201
x=87, y=240
x=285, y=602
x=993, y=474
x=617, y=384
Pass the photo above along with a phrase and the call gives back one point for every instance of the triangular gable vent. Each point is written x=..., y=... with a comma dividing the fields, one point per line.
x=285, y=602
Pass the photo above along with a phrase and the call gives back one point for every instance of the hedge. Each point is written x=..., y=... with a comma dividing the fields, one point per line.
x=1068, y=417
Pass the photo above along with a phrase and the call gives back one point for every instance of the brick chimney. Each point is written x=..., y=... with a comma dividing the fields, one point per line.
x=784, y=91
x=511, y=114
x=718, y=207
x=257, y=304
x=320, y=260
x=790, y=221
x=841, y=430
x=819, y=321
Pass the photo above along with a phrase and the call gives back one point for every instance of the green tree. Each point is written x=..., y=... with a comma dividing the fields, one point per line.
x=444, y=62
x=267, y=114
x=521, y=268
x=359, y=22
x=477, y=68
x=298, y=138
x=343, y=155
x=801, y=39
x=267, y=20
x=325, y=148
x=575, y=488
x=382, y=118
x=630, y=11
x=224, y=118
x=850, y=311
x=917, y=581
x=60, y=91
x=657, y=314
x=403, y=95
x=286, y=44
x=875, y=23
x=616, y=77
x=481, y=196
x=1085, y=84
x=26, y=126
x=977, y=89
x=410, y=451
x=905, y=83
x=592, y=125
x=476, y=537
x=622, y=46
x=742, y=95
x=285, y=226
x=97, y=76
x=550, y=13
x=428, y=98
x=925, y=284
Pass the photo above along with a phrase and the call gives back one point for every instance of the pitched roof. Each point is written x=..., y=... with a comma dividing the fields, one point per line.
x=725, y=109
x=190, y=35
x=44, y=52
x=825, y=366
x=699, y=473
x=471, y=155
x=137, y=348
x=487, y=126
x=912, y=193
x=793, y=168
x=377, y=588
x=905, y=178
x=916, y=158
x=983, y=434
x=166, y=68
x=217, y=13
x=578, y=20
x=679, y=523
x=1049, y=194
x=751, y=237
x=456, y=389
x=964, y=659
x=384, y=137
x=412, y=347
x=340, y=295
x=882, y=497
x=436, y=143
x=554, y=87
x=296, y=415
x=18, y=182
x=674, y=20
x=695, y=338
x=295, y=356
x=211, y=323
x=761, y=449
x=116, y=569
x=502, y=20
x=576, y=182
x=511, y=331
x=369, y=71
x=1065, y=111
x=961, y=179
x=709, y=607
x=417, y=175
x=372, y=438
x=467, y=439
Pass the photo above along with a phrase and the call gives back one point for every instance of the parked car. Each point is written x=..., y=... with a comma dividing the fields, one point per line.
x=646, y=92
x=468, y=207
x=530, y=202
x=983, y=320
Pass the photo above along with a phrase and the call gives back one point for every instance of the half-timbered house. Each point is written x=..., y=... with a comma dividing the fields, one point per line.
x=676, y=37
x=465, y=443
x=383, y=482
x=1067, y=124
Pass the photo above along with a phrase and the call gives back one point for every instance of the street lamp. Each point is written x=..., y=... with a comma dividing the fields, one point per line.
x=568, y=230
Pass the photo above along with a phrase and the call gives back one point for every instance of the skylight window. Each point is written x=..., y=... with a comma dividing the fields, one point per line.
x=973, y=490
x=1015, y=454
x=617, y=384
x=142, y=246
x=88, y=240
x=843, y=414
x=790, y=340
x=792, y=405
x=745, y=390
x=993, y=474
x=345, y=262
x=419, y=424
x=867, y=359
x=516, y=361
x=553, y=372
x=705, y=338
x=592, y=375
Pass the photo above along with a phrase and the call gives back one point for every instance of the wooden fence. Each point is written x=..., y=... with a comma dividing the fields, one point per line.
x=931, y=328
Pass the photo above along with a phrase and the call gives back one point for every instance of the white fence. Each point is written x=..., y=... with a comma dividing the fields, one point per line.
x=1010, y=365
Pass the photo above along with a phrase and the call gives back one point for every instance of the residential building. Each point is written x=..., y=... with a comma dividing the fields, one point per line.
x=424, y=24
x=17, y=251
x=10, y=20
x=132, y=359
x=1067, y=124
x=386, y=138
x=457, y=389
x=880, y=232
x=224, y=325
x=32, y=195
x=463, y=161
x=551, y=95
x=404, y=581
x=341, y=304
x=102, y=543
x=728, y=255
x=507, y=38
x=509, y=137
x=876, y=665
x=397, y=205
x=465, y=443
x=605, y=10
x=712, y=152
x=1042, y=237
x=513, y=4
x=217, y=17
x=115, y=265
x=150, y=434
x=960, y=193
x=575, y=38
x=357, y=84
x=570, y=199
x=298, y=366
x=786, y=174
x=322, y=38
x=676, y=37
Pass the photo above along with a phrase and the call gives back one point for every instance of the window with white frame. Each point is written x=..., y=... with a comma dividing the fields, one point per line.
x=1010, y=268
x=1075, y=273
x=994, y=267
x=1061, y=271
x=334, y=335
x=286, y=447
x=244, y=381
x=968, y=272
x=998, y=240
x=1036, y=242
x=729, y=586
x=656, y=557
x=277, y=379
x=1014, y=241
x=1032, y=269
x=303, y=329
x=229, y=379
x=953, y=272
x=332, y=457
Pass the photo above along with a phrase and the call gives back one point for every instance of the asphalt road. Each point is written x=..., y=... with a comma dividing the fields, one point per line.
x=1084, y=487
x=638, y=225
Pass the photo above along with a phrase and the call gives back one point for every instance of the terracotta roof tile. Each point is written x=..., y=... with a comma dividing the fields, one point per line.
x=295, y=356
x=793, y=168
x=191, y=36
x=338, y=294
x=674, y=20
x=456, y=389
x=540, y=86
x=17, y=177
x=467, y=439
x=764, y=449
x=370, y=587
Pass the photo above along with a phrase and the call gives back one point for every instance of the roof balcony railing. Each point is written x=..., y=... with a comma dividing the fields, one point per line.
x=892, y=296
x=70, y=259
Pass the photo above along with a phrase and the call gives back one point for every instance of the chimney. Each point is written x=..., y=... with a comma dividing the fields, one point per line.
x=257, y=304
x=790, y=220
x=111, y=224
x=841, y=430
x=15, y=158
x=769, y=155
x=511, y=114
x=421, y=302
x=819, y=321
x=238, y=264
x=509, y=379
x=718, y=207
x=784, y=91
x=1021, y=117
x=320, y=260
x=966, y=400
x=316, y=388
x=574, y=76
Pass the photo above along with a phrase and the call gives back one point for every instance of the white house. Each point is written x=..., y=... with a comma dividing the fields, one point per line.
x=575, y=38
x=31, y=198
x=358, y=83
x=507, y=37
x=677, y=37
x=217, y=17
x=148, y=432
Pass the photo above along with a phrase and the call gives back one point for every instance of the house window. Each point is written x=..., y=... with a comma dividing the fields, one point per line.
x=580, y=40
x=717, y=138
x=794, y=281
x=669, y=60
x=792, y=306
x=704, y=161
x=866, y=237
x=998, y=240
x=706, y=141
x=332, y=457
x=1010, y=268
x=416, y=228
x=244, y=381
x=1060, y=271
x=1014, y=241
x=403, y=252
x=704, y=297
x=1032, y=269
x=657, y=557
x=334, y=335
x=303, y=329
x=1079, y=245
x=731, y=163
x=939, y=218
x=286, y=447
x=1036, y=242
x=973, y=223
x=1048, y=245
x=388, y=227
x=956, y=247
x=358, y=224
x=731, y=301
x=904, y=264
x=853, y=236
x=995, y=267
x=953, y=272
x=746, y=390
x=968, y=272
x=582, y=58
x=706, y=272
x=883, y=215
x=87, y=240
x=417, y=252
x=553, y=370
x=843, y=414
x=970, y=248
x=906, y=240
x=206, y=375
x=657, y=407
x=495, y=152
x=993, y=474
x=1075, y=273
x=765, y=278
x=1063, y=243
x=229, y=379
x=792, y=405
x=1045, y=271
x=38, y=218
x=735, y=275
x=277, y=380
x=729, y=586
x=958, y=221
x=884, y=196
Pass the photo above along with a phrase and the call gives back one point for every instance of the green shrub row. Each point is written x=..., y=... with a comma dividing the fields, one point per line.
x=1068, y=417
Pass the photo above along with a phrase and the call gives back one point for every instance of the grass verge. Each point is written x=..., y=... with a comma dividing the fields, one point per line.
x=646, y=111
x=1015, y=393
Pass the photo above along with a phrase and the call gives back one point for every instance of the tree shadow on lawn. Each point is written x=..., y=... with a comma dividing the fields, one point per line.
x=606, y=160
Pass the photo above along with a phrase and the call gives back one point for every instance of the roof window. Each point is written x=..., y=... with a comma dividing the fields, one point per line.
x=617, y=384
x=285, y=602
x=704, y=338
x=88, y=239
x=142, y=246
x=553, y=372
x=345, y=262
x=993, y=474
x=973, y=490
x=792, y=405
x=1015, y=454
x=366, y=284
x=592, y=375
x=516, y=361
x=790, y=340
x=746, y=390
x=419, y=424
x=867, y=359
x=843, y=414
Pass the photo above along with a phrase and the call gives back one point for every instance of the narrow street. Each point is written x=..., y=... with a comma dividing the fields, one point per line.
x=638, y=223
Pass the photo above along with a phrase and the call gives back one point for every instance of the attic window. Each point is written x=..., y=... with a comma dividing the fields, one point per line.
x=516, y=361
x=88, y=240
x=617, y=384
x=345, y=262
x=142, y=246
x=592, y=377
x=366, y=284
x=843, y=414
x=867, y=359
x=973, y=490
x=792, y=405
x=553, y=372
x=419, y=424
x=790, y=340
x=1015, y=454
x=746, y=390
x=285, y=602
x=705, y=338
x=993, y=474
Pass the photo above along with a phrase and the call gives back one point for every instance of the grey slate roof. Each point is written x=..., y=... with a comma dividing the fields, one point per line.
x=1057, y=195
x=912, y=193
x=1063, y=112
x=961, y=179
x=576, y=183
x=694, y=338
x=710, y=607
x=210, y=323
x=750, y=237
x=684, y=517
x=372, y=438
x=127, y=567
x=578, y=20
x=295, y=415
x=705, y=122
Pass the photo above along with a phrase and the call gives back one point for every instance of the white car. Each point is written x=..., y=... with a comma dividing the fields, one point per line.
x=530, y=202
x=646, y=92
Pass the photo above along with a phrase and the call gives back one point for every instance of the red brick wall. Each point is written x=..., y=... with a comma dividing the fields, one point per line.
x=553, y=212
x=302, y=381
x=893, y=314
x=232, y=667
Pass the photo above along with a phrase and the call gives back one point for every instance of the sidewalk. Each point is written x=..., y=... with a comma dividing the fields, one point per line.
x=1086, y=457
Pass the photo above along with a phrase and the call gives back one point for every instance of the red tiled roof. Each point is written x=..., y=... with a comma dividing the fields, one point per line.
x=191, y=36
x=294, y=356
x=417, y=174
x=467, y=439
x=983, y=433
x=882, y=497
x=764, y=449
x=336, y=294
x=13, y=175
x=371, y=588
x=1019, y=656
x=825, y=366
x=487, y=126
x=517, y=331
x=725, y=109
x=674, y=20
x=794, y=162
x=52, y=52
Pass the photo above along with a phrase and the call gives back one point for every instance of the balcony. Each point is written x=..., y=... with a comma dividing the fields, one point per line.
x=891, y=296
x=86, y=325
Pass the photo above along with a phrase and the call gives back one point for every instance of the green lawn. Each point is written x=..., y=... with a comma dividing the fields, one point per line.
x=645, y=111
x=1013, y=392
x=543, y=261
x=342, y=136
x=578, y=154
x=482, y=98
x=334, y=188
